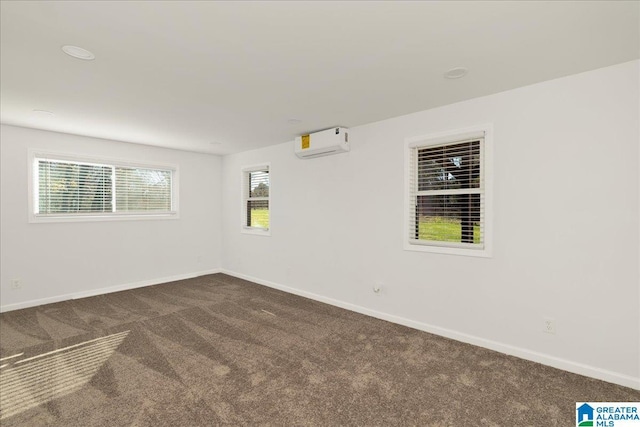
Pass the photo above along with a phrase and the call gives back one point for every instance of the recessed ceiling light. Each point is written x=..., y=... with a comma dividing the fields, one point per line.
x=42, y=114
x=456, y=73
x=78, y=52
x=294, y=121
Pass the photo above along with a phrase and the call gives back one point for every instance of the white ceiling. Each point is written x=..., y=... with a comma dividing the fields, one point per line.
x=224, y=77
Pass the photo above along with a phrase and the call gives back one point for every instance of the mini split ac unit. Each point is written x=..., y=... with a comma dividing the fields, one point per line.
x=323, y=143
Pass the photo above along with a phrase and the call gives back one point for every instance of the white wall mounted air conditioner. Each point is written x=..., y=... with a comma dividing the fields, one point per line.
x=323, y=143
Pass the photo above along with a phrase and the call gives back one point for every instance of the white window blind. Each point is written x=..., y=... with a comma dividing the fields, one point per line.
x=72, y=188
x=142, y=190
x=256, y=187
x=76, y=188
x=446, y=194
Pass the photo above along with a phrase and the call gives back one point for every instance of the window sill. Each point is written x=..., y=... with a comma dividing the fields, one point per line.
x=445, y=250
x=256, y=231
x=93, y=218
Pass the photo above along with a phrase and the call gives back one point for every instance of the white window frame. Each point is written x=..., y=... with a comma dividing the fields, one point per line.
x=442, y=138
x=243, y=200
x=32, y=184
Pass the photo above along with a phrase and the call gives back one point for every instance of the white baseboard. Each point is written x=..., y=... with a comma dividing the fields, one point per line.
x=102, y=291
x=545, y=359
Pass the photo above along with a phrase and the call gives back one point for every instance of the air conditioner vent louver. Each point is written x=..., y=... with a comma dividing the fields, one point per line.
x=323, y=143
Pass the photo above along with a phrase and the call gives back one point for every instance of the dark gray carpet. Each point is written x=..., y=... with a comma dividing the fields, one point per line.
x=219, y=350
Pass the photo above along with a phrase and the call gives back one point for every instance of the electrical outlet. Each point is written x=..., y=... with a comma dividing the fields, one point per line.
x=549, y=326
x=16, y=284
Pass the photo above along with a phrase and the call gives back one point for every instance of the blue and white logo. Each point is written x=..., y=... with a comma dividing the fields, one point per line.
x=608, y=414
x=585, y=415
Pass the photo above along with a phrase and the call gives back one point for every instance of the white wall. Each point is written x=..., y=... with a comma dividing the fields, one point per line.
x=58, y=261
x=566, y=232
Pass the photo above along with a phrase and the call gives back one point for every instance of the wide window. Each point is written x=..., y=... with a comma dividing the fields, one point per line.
x=447, y=199
x=256, y=185
x=63, y=188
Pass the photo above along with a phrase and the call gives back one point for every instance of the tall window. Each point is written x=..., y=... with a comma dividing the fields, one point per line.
x=447, y=194
x=256, y=186
x=65, y=188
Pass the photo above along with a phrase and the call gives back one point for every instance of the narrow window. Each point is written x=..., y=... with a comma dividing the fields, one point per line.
x=256, y=185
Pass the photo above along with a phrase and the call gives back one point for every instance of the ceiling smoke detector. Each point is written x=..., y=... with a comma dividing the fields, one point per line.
x=78, y=52
x=42, y=114
x=456, y=73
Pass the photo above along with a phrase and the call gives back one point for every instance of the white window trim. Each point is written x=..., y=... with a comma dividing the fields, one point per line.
x=243, y=207
x=443, y=138
x=33, y=154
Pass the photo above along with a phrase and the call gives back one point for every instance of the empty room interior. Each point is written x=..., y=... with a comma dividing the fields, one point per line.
x=319, y=213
